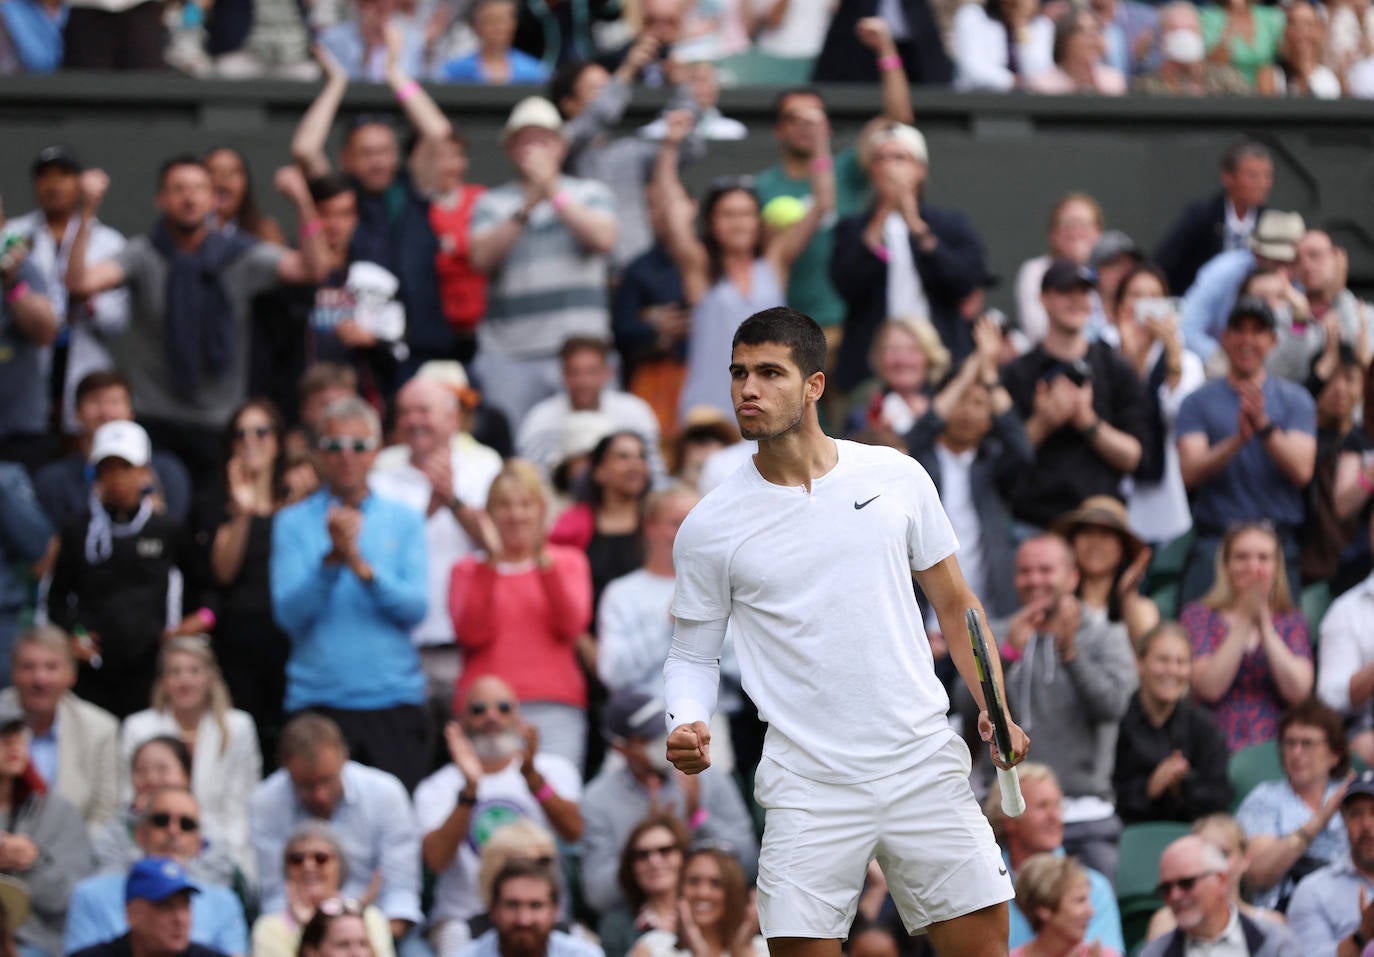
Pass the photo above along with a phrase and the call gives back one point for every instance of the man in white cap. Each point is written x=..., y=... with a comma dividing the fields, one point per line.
x=544, y=239
x=116, y=586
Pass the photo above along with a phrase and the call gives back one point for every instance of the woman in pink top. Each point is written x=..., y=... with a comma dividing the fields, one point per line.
x=519, y=612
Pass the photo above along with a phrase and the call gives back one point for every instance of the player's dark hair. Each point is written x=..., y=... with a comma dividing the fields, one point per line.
x=785, y=326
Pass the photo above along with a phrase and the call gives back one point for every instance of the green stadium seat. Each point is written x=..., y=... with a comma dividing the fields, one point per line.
x=1165, y=575
x=1316, y=598
x=1251, y=765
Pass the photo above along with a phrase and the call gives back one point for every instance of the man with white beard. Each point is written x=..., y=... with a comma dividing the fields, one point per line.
x=497, y=776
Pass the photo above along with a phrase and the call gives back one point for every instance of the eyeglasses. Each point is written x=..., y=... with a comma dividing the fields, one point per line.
x=320, y=858
x=479, y=708
x=1302, y=744
x=339, y=906
x=642, y=854
x=1184, y=884
x=260, y=431
x=163, y=819
x=357, y=446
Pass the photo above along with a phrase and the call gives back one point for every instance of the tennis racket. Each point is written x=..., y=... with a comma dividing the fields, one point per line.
x=1013, y=804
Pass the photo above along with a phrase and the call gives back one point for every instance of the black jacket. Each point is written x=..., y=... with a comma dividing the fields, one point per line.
x=948, y=274
x=844, y=59
x=1140, y=747
x=1196, y=236
x=119, y=947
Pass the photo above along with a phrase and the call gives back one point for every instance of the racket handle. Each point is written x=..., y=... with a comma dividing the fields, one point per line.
x=1013, y=804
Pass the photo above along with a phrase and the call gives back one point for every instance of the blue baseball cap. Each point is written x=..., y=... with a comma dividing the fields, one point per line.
x=156, y=879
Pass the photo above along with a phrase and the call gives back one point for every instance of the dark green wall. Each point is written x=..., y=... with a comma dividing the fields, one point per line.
x=1002, y=159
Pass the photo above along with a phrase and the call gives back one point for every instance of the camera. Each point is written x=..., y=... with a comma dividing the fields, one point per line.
x=1078, y=371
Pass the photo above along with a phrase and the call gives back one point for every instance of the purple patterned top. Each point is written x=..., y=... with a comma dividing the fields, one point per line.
x=1249, y=711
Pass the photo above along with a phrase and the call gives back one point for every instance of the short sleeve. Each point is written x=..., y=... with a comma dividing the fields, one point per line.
x=561, y=774
x=1257, y=814
x=1299, y=412
x=596, y=195
x=436, y=797
x=131, y=258
x=1197, y=622
x=702, y=588
x=930, y=536
x=1292, y=628
x=486, y=212
x=1190, y=418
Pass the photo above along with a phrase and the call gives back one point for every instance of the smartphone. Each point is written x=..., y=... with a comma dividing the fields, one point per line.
x=1157, y=307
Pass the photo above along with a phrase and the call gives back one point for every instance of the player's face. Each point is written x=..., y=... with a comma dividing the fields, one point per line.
x=768, y=391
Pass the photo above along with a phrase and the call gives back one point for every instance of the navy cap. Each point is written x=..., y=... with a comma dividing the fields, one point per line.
x=58, y=156
x=156, y=879
x=1112, y=245
x=1362, y=785
x=1065, y=274
x=1251, y=307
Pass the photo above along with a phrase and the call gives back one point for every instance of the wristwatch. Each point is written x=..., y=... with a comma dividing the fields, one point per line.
x=1269, y=429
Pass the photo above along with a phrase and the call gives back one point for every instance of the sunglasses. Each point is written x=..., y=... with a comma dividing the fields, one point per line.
x=479, y=708
x=260, y=431
x=642, y=854
x=358, y=446
x=163, y=819
x=339, y=906
x=320, y=858
x=1185, y=884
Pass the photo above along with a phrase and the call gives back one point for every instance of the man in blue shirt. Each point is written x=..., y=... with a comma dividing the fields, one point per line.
x=1247, y=447
x=1332, y=911
x=158, y=895
x=349, y=582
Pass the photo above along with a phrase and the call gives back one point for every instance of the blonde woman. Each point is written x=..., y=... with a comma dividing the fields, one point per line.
x=191, y=703
x=1054, y=893
x=907, y=359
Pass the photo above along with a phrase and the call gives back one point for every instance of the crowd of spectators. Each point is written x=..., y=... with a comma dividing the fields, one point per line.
x=335, y=573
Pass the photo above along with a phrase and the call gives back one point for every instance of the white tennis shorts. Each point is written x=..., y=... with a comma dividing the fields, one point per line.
x=923, y=825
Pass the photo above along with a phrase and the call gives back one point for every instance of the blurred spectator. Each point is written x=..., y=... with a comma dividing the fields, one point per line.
x=462, y=289
x=315, y=868
x=232, y=529
x=1345, y=668
x=799, y=136
x=704, y=433
x=1147, y=336
x=786, y=29
x=236, y=207
x=1056, y=895
x=494, y=63
x=1130, y=34
x=497, y=775
x=1079, y=63
x=14, y=910
x=1183, y=68
x=43, y=844
x=51, y=230
x=1111, y=561
x=29, y=325
x=1223, y=832
x=64, y=485
x=903, y=256
x=168, y=829
x=701, y=79
x=1070, y=674
x=524, y=908
x=581, y=433
x=650, y=875
x=1074, y=231
x=393, y=218
x=1222, y=221
x=1040, y=830
x=159, y=916
x=31, y=36
x=186, y=348
x=651, y=52
x=443, y=473
x=541, y=238
x=913, y=27
x=113, y=35
x=973, y=444
x=158, y=763
x=368, y=809
x=1299, y=69
x=1330, y=912
x=1349, y=31
x=1170, y=755
x=116, y=580
x=339, y=926
x=1323, y=270
x=1084, y=408
x=907, y=360
x=248, y=39
x=72, y=743
x=624, y=792
x=1113, y=256
x=1251, y=654
x=190, y=700
x=1001, y=45
x=1292, y=823
x=1246, y=448
x=522, y=841
x=717, y=913
x=1243, y=34
x=1337, y=381
x=1194, y=882
x=348, y=583
x=363, y=47
x=587, y=385
x=730, y=269
x=519, y=613
x=25, y=537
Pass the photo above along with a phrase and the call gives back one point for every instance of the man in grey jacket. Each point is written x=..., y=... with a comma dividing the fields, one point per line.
x=1070, y=674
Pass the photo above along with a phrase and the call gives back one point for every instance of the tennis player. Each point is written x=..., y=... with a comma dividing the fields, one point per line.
x=808, y=551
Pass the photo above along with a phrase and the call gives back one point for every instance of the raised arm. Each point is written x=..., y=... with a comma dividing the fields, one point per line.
x=424, y=115
x=687, y=251
x=308, y=265
x=786, y=246
x=86, y=279
x=307, y=143
x=874, y=33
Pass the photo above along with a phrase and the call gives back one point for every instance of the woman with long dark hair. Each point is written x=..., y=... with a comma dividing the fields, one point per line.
x=716, y=915
x=649, y=875
x=236, y=208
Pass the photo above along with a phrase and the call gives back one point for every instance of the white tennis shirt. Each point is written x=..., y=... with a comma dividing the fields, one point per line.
x=817, y=588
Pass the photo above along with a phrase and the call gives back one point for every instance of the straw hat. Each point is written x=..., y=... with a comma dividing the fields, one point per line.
x=1101, y=511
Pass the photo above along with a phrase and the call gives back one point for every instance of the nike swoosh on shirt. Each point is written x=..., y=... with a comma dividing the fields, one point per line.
x=859, y=505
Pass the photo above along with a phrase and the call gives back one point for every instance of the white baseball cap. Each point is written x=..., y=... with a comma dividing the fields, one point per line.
x=121, y=440
x=532, y=111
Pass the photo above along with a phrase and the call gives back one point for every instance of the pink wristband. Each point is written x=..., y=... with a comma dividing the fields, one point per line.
x=310, y=228
x=18, y=292
x=207, y=616
x=698, y=818
x=1365, y=483
x=890, y=62
x=545, y=792
x=407, y=91
x=880, y=252
x=1009, y=654
x=561, y=199
x=822, y=164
